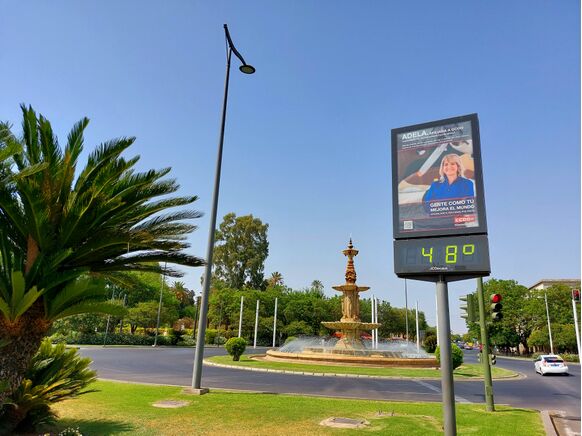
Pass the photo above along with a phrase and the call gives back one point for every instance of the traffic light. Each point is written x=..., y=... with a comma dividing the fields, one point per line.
x=469, y=309
x=576, y=295
x=496, y=307
x=492, y=359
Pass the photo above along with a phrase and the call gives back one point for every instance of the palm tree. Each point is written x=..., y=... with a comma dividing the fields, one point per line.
x=276, y=279
x=64, y=231
x=184, y=295
x=317, y=285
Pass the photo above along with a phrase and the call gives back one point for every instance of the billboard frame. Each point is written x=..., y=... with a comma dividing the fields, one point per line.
x=481, y=228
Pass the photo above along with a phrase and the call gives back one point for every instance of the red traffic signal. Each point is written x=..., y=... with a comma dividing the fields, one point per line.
x=576, y=295
x=496, y=307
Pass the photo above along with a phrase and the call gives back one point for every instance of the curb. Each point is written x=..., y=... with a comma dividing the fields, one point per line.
x=519, y=376
x=548, y=423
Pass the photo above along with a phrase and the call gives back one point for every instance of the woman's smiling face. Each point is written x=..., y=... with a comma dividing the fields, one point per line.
x=450, y=169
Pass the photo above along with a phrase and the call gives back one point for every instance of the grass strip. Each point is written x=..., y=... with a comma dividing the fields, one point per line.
x=123, y=408
x=466, y=371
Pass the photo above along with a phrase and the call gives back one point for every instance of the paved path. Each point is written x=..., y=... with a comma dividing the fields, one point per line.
x=174, y=366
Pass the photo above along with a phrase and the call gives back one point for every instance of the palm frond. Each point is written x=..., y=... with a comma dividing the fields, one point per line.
x=91, y=307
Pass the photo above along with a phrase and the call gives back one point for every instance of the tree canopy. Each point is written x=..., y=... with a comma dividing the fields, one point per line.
x=240, y=252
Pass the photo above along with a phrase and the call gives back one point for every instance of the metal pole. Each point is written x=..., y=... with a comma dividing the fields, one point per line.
x=447, y=386
x=376, y=319
x=197, y=302
x=576, y=327
x=198, y=356
x=108, y=319
x=406, y=304
x=242, y=299
x=372, y=308
x=256, y=325
x=485, y=351
x=417, y=331
x=121, y=322
x=275, y=323
x=549, y=325
x=160, y=307
x=436, y=304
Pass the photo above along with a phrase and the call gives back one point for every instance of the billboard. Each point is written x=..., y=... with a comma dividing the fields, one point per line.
x=437, y=182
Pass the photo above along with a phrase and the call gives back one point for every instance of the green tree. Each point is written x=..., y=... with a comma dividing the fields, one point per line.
x=61, y=227
x=240, y=252
x=519, y=313
x=276, y=279
x=146, y=315
x=317, y=285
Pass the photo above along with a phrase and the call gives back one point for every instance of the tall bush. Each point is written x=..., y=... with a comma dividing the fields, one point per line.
x=457, y=355
x=430, y=344
x=235, y=347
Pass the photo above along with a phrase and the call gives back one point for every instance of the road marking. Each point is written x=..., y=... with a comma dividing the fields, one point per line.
x=435, y=389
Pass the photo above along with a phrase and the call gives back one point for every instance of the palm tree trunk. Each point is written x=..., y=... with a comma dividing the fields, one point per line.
x=25, y=337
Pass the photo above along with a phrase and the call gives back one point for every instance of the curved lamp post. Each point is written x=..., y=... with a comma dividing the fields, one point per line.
x=197, y=371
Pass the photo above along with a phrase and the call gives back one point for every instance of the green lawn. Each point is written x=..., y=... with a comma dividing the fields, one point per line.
x=122, y=408
x=468, y=371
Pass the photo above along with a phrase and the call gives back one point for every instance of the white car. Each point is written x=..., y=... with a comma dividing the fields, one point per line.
x=550, y=364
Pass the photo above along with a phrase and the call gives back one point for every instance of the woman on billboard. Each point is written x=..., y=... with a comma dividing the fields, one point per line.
x=452, y=183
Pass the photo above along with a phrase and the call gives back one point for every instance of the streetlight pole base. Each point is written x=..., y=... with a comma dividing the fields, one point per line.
x=194, y=391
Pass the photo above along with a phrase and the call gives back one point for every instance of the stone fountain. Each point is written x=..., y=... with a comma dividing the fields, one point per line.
x=350, y=325
x=349, y=349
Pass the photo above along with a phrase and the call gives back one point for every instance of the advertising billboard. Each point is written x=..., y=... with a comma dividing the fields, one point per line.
x=437, y=180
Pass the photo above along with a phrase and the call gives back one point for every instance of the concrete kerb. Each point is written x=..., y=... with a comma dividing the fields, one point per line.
x=548, y=424
x=330, y=374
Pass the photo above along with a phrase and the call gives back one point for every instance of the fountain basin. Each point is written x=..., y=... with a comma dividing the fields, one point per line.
x=326, y=356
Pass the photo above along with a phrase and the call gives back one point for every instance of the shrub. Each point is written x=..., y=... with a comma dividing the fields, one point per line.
x=430, y=344
x=187, y=341
x=236, y=347
x=290, y=339
x=457, y=355
x=75, y=338
x=55, y=374
x=210, y=335
x=214, y=336
x=175, y=336
x=569, y=357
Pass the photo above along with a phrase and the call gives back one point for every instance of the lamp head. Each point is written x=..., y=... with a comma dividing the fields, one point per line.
x=247, y=69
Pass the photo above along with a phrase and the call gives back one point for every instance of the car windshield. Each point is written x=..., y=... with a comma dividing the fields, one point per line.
x=554, y=360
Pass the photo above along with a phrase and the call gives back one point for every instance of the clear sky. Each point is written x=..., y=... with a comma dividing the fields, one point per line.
x=307, y=146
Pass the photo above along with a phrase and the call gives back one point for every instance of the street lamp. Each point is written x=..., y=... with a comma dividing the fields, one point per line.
x=203, y=310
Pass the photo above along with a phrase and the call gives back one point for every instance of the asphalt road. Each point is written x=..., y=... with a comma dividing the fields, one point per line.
x=174, y=366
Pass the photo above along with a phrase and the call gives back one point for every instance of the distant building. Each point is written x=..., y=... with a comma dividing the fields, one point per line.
x=546, y=283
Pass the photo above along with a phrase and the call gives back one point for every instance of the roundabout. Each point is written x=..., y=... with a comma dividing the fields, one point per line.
x=173, y=366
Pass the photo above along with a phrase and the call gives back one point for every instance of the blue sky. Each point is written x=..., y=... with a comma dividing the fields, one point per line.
x=307, y=145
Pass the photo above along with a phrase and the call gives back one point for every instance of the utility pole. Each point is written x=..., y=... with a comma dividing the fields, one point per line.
x=576, y=297
x=447, y=385
x=197, y=302
x=376, y=320
x=406, y=306
x=256, y=325
x=108, y=319
x=549, y=324
x=485, y=351
x=121, y=322
x=242, y=299
x=417, y=331
x=275, y=323
x=160, y=306
x=436, y=305
x=373, y=307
